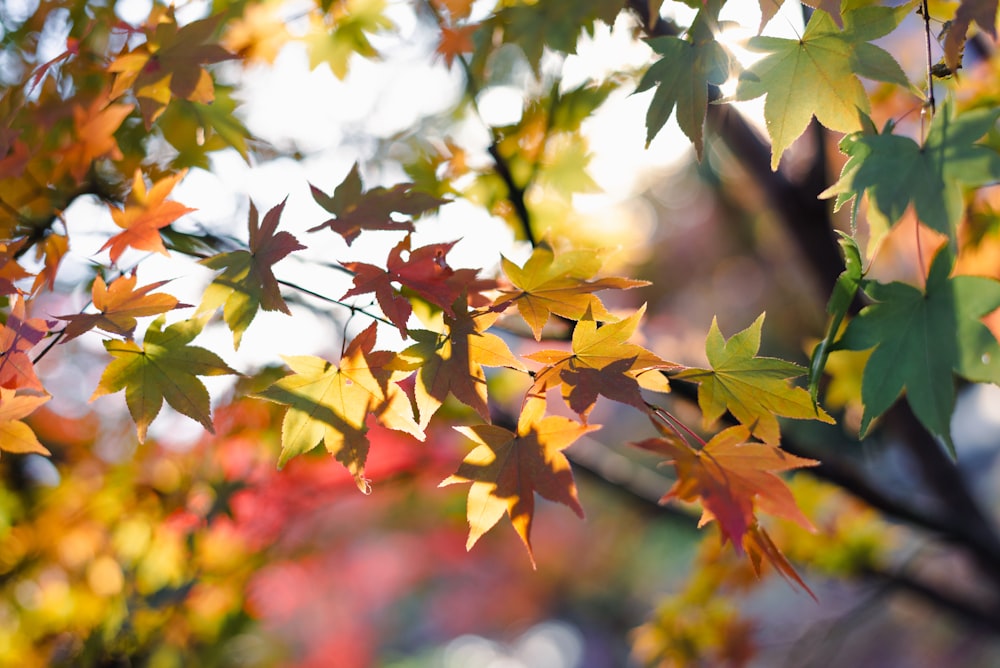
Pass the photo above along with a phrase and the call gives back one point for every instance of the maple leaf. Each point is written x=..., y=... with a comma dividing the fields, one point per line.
x=983, y=12
x=247, y=281
x=329, y=404
x=920, y=338
x=425, y=272
x=119, y=305
x=844, y=290
x=19, y=335
x=259, y=34
x=333, y=38
x=15, y=435
x=50, y=252
x=758, y=545
x=754, y=389
x=355, y=209
x=682, y=78
x=145, y=212
x=732, y=479
x=769, y=9
x=170, y=64
x=196, y=129
x=10, y=270
x=164, y=367
x=556, y=25
x=602, y=362
x=455, y=41
x=506, y=469
x=895, y=171
x=94, y=129
x=560, y=285
x=457, y=9
x=452, y=362
x=817, y=75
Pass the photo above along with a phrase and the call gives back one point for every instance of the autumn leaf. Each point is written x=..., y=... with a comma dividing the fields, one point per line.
x=455, y=41
x=920, y=339
x=601, y=362
x=335, y=37
x=15, y=435
x=163, y=367
x=754, y=389
x=682, y=77
x=11, y=270
x=247, y=281
x=895, y=171
x=119, y=305
x=170, y=63
x=145, y=212
x=329, y=404
x=451, y=362
x=506, y=469
x=817, y=75
x=259, y=34
x=732, y=479
x=49, y=252
x=94, y=129
x=19, y=335
x=355, y=209
x=550, y=284
x=758, y=545
x=424, y=271
x=983, y=13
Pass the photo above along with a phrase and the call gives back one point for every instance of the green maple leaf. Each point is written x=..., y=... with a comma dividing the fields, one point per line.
x=344, y=31
x=247, y=283
x=556, y=25
x=682, y=78
x=164, y=367
x=196, y=129
x=895, y=171
x=817, y=75
x=840, y=301
x=754, y=389
x=920, y=338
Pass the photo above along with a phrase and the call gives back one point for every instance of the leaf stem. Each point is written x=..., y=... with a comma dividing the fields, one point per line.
x=930, y=63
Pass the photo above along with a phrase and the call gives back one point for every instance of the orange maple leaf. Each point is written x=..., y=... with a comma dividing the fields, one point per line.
x=145, y=212
x=455, y=41
x=170, y=64
x=94, y=129
x=19, y=335
x=507, y=468
x=119, y=305
x=15, y=435
x=732, y=479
